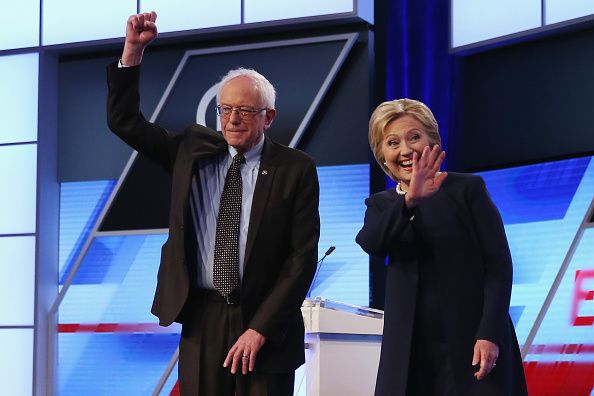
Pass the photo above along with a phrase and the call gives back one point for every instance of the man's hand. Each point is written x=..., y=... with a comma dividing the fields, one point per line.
x=486, y=353
x=141, y=29
x=426, y=177
x=244, y=351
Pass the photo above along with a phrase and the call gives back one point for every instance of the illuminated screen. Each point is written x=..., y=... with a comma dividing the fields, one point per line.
x=478, y=20
x=21, y=24
x=268, y=10
x=16, y=361
x=107, y=335
x=547, y=213
x=17, y=280
x=563, y=10
x=190, y=14
x=18, y=97
x=18, y=176
x=473, y=21
x=62, y=22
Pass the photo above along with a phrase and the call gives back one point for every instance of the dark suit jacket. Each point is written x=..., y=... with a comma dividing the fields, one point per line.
x=458, y=235
x=281, y=249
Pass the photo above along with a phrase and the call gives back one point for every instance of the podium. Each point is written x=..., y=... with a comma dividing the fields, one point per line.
x=342, y=344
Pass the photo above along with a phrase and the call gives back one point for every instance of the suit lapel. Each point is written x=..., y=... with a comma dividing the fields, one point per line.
x=264, y=183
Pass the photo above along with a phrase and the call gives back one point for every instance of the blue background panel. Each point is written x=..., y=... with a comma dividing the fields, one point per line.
x=112, y=363
x=80, y=206
x=543, y=207
x=115, y=282
x=344, y=275
x=535, y=193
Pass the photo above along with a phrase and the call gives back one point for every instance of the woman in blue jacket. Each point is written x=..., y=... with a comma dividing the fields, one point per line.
x=447, y=330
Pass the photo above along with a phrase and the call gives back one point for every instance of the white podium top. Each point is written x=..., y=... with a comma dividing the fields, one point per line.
x=326, y=316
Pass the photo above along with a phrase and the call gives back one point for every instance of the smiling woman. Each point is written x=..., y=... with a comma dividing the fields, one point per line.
x=449, y=275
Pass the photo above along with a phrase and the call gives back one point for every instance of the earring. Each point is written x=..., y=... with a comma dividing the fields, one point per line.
x=385, y=163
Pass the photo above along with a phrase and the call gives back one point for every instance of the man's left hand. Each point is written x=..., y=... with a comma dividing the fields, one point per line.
x=244, y=351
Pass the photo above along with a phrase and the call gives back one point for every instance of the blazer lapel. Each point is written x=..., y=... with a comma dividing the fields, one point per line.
x=264, y=183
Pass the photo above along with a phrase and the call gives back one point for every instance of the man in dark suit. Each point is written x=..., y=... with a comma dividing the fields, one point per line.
x=243, y=231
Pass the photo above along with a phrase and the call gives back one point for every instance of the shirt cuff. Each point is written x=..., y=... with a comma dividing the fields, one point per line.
x=121, y=65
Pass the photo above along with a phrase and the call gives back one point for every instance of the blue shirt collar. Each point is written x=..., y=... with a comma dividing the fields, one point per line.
x=252, y=156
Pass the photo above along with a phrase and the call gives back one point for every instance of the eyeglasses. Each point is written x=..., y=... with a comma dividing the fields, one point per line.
x=243, y=112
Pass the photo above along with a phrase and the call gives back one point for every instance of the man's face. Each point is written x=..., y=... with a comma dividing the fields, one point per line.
x=243, y=133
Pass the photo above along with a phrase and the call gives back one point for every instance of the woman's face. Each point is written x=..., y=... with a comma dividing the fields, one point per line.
x=402, y=137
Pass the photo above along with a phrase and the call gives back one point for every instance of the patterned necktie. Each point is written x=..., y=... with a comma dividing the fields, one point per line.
x=226, y=253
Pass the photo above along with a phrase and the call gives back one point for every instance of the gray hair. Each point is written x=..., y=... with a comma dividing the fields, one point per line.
x=265, y=88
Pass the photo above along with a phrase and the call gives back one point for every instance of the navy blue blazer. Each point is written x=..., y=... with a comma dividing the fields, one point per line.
x=459, y=236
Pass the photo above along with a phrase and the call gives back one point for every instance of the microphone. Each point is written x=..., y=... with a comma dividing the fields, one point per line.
x=318, y=266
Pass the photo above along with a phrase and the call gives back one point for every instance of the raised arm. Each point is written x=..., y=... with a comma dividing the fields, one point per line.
x=124, y=117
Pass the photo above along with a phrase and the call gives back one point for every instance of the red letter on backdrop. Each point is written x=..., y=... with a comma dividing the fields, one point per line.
x=580, y=295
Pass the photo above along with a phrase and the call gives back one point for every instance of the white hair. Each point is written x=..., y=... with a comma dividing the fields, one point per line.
x=267, y=91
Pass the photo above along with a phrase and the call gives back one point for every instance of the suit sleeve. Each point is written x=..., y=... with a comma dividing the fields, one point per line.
x=125, y=119
x=387, y=219
x=285, y=299
x=497, y=271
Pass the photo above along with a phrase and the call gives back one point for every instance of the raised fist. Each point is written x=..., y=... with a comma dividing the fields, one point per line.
x=141, y=29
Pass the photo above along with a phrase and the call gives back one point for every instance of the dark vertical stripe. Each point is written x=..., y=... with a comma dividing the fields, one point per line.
x=242, y=12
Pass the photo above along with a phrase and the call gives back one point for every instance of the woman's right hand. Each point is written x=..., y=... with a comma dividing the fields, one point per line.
x=426, y=178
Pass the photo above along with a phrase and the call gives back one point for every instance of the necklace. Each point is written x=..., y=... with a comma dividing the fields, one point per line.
x=399, y=191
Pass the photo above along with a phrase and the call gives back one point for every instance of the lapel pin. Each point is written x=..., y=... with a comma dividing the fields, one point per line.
x=264, y=172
